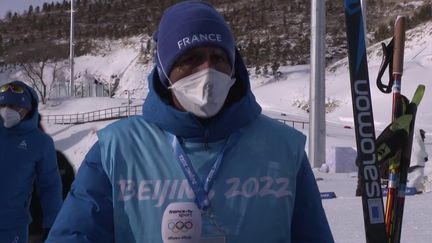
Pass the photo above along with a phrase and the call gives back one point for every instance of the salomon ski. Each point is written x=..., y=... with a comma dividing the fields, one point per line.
x=373, y=209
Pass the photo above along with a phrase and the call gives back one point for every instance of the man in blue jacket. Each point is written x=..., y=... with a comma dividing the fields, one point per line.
x=201, y=164
x=27, y=155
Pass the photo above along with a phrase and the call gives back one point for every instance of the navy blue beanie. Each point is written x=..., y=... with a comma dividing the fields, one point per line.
x=22, y=100
x=187, y=25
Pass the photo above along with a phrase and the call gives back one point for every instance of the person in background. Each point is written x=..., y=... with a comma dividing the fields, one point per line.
x=28, y=156
x=37, y=234
x=419, y=157
x=202, y=164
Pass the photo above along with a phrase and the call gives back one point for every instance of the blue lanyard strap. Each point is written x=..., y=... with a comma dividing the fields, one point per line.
x=201, y=191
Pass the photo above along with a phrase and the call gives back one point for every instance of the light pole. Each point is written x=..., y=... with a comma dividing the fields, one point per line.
x=317, y=85
x=364, y=12
x=71, y=51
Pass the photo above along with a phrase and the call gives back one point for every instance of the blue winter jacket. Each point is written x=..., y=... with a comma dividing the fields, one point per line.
x=264, y=190
x=26, y=155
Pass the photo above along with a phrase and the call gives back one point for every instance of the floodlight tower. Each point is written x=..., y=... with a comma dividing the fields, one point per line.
x=72, y=51
x=317, y=129
x=364, y=12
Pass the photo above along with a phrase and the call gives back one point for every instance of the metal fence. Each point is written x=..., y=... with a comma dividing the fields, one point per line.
x=99, y=115
x=294, y=124
x=126, y=111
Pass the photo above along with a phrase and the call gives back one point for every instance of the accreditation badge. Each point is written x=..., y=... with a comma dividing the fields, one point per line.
x=181, y=223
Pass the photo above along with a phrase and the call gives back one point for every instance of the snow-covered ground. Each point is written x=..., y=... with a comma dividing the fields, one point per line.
x=277, y=97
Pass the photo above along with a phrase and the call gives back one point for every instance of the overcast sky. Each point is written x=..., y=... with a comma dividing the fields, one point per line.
x=20, y=5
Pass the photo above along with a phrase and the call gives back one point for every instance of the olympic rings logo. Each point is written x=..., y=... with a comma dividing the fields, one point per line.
x=180, y=226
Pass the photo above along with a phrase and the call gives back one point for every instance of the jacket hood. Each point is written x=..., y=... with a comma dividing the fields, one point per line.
x=31, y=121
x=240, y=109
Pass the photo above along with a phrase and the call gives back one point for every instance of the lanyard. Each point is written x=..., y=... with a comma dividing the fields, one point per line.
x=200, y=190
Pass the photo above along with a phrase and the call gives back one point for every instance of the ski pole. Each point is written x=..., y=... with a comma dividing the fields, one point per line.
x=397, y=110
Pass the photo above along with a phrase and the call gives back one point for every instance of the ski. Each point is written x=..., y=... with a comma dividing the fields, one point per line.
x=396, y=142
x=373, y=208
x=411, y=109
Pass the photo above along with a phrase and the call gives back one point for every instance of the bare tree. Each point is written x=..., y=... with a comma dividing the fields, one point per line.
x=34, y=72
x=43, y=55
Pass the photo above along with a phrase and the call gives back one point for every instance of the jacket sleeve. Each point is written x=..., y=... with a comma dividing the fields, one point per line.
x=48, y=184
x=87, y=213
x=309, y=223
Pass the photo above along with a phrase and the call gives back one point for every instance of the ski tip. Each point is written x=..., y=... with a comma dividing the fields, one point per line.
x=421, y=89
x=418, y=94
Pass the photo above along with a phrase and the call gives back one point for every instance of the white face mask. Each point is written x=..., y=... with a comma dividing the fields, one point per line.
x=10, y=117
x=203, y=93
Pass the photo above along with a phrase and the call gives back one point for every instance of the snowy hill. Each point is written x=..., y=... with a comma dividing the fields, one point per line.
x=276, y=97
x=284, y=95
x=417, y=70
